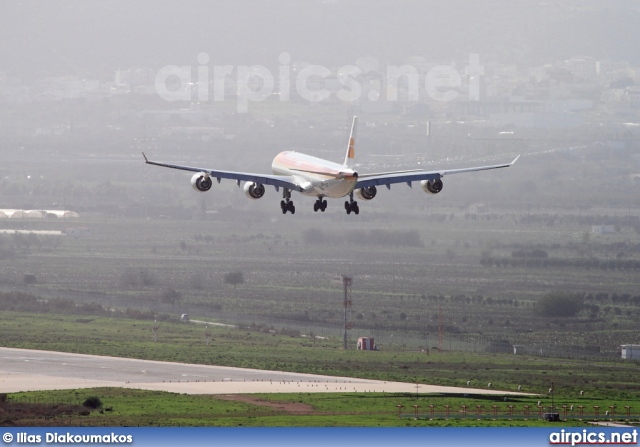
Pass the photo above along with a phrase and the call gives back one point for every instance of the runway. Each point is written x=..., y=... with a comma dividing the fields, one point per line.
x=32, y=370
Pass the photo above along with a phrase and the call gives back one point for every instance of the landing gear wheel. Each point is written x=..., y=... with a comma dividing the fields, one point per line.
x=320, y=204
x=286, y=204
x=351, y=206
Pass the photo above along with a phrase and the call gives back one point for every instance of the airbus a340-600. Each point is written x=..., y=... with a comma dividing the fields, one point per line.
x=312, y=176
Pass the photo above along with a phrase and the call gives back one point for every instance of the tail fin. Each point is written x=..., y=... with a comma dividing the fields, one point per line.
x=349, y=158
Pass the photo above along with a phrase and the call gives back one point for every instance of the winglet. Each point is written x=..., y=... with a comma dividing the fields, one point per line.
x=349, y=158
x=145, y=158
x=514, y=161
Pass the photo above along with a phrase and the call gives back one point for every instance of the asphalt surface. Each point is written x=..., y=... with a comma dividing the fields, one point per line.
x=30, y=370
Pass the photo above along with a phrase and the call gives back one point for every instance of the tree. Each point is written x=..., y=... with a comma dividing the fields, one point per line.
x=171, y=296
x=131, y=277
x=197, y=281
x=450, y=255
x=234, y=278
x=30, y=279
x=147, y=278
x=559, y=305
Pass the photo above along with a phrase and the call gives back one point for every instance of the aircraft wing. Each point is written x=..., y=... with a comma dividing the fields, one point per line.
x=389, y=178
x=279, y=181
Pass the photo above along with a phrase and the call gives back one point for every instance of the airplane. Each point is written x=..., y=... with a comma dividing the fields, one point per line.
x=316, y=177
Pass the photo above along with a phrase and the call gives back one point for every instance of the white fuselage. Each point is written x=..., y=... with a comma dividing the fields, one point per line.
x=317, y=177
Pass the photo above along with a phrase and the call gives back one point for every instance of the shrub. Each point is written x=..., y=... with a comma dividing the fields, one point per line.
x=92, y=402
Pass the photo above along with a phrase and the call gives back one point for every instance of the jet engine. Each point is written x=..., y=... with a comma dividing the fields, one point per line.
x=366, y=193
x=201, y=182
x=432, y=186
x=253, y=190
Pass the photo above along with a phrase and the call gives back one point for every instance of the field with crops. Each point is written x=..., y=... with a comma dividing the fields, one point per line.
x=460, y=283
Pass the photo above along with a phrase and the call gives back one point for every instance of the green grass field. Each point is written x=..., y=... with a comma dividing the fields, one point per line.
x=603, y=383
x=123, y=337
x=147, y=408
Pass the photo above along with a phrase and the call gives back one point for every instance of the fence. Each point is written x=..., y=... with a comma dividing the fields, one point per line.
x=522, y=412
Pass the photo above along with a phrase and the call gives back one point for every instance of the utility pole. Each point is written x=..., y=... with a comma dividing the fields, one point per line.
x=440, y=329
x=346, y=282
x=154, y=329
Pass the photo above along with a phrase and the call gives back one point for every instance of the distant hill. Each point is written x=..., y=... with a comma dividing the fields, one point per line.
x=38, y=39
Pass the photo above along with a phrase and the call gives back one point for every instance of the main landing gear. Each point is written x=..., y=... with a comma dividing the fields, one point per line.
x=320, y=204
x=351, y=206
x=287, y=204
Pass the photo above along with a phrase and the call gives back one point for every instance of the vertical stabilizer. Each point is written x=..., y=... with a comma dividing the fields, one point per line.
x=349, y=158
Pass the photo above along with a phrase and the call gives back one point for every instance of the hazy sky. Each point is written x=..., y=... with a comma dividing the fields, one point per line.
x=40, y=38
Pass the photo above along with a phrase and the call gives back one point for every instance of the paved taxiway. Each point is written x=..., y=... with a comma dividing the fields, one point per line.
x=30, y=370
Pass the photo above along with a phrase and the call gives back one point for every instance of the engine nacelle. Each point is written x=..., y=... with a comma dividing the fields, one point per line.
x=201, y=182
x=432, y=186
x=254, y=190
x=366, y=193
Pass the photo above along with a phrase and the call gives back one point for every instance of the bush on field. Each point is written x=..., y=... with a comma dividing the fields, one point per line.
x=92, y=402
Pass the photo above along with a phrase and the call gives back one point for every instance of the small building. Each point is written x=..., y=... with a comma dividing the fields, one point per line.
x=366, y=344
x=603, y=229
x=631, y=352
x=77, y=232
x=37, y=214
x=518, y=349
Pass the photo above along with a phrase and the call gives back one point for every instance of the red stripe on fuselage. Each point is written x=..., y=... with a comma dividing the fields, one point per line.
x=312, y=170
